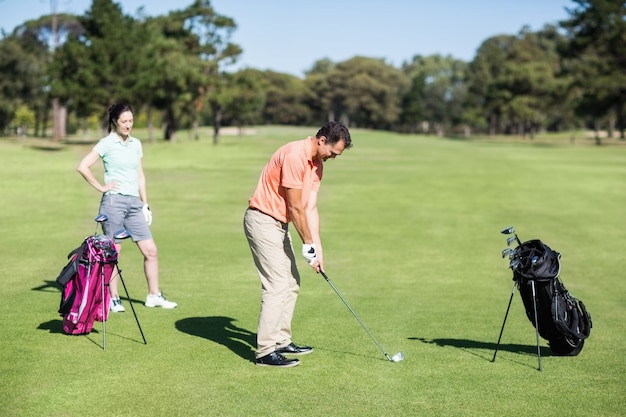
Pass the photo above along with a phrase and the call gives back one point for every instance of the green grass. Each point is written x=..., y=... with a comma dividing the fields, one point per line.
x=411, y=237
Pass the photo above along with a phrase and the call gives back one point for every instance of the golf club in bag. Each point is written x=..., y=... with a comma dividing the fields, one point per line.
x=395, y=358
x=84, y=296
x=556, y=315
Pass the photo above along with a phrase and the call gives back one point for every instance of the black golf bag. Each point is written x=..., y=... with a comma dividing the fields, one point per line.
x=560, y=318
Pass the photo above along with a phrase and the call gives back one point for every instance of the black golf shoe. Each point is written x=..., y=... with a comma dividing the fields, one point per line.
x=277, y=359
x=293, y=349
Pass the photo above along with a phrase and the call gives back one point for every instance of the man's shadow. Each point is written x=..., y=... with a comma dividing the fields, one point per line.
x=221, y=330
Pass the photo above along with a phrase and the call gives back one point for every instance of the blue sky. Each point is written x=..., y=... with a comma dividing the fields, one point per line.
x=290, y=35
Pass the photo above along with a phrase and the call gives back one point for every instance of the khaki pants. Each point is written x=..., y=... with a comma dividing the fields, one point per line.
x=272, y=251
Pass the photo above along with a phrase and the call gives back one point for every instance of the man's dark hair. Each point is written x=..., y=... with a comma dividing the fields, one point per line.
x=335, y=132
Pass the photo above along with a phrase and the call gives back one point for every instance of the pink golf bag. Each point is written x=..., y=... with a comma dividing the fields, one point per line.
x=85, y=279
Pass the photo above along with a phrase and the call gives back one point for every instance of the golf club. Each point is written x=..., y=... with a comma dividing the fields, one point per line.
x=121, y=234
x=515, y=263
x=395, y=358
x=100, y=218
x=511, y=231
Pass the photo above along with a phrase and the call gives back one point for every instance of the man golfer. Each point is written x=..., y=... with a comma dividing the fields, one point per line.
x=287, y=192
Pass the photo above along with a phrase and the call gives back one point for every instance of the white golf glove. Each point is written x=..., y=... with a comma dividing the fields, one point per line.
x=147, y=213
x=309, y=253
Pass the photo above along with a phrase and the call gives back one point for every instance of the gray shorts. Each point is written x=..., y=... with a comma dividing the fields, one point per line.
x=124, y=212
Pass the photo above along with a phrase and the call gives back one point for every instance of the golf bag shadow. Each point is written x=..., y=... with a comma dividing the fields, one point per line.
x=85, y=279
x=556, y=315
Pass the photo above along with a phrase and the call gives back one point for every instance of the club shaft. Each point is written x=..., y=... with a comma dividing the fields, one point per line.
x=356, y=316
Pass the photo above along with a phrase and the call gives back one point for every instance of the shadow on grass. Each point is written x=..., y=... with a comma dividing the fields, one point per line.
x=476, y=344
x=47, y=286
x=221, y=330
x=475, y=347
x=53, y=326
x=56, y=327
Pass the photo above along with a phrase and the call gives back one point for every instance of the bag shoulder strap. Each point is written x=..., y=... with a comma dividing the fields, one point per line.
x=72, y=266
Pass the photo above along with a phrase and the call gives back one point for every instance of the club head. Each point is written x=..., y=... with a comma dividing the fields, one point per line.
x=506, y=252
x=515, y=263
x=101, y=218
x=508, y=231
x=122, y=234
x=510, y=240
x=397, y=357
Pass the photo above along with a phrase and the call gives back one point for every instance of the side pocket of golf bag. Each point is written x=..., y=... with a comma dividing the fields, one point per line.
x=569, y=314
x=68, y=294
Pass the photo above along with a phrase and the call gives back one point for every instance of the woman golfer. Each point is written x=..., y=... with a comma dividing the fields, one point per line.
x=124, y=199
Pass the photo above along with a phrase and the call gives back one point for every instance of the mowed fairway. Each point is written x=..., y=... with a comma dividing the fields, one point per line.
x=411, y=238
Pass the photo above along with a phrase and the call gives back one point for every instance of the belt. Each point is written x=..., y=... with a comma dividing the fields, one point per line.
x=262, y=212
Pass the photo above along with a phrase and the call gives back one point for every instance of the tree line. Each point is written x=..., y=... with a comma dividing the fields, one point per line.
x=63, y=70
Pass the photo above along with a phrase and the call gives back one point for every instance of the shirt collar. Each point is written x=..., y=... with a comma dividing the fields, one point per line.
x=117, y=138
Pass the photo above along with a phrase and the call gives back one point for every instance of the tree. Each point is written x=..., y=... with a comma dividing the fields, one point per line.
x=24, y=63
x=285, y=97
x=169, y=63
x=413, y=110
x=485, y=72
x=24, y=117
x=248, y=98
x=317, y=94
x=94, y=67
x=531, y=77
x=596, y=56
x=14, y=70
x=438, y=90
x=516, y=81
x=366, y=92
x=215, y=51
x=173, y=88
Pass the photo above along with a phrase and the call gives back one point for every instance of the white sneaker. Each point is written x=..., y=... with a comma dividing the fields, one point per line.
x=159, y=301
x=116, y=306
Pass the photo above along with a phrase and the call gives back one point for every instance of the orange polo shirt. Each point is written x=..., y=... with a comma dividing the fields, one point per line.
x=291, y=166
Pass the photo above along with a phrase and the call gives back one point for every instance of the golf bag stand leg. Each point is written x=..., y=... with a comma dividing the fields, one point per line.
x=503, y=323
x=532, y=284
x=104, y=322
x=119, y=274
